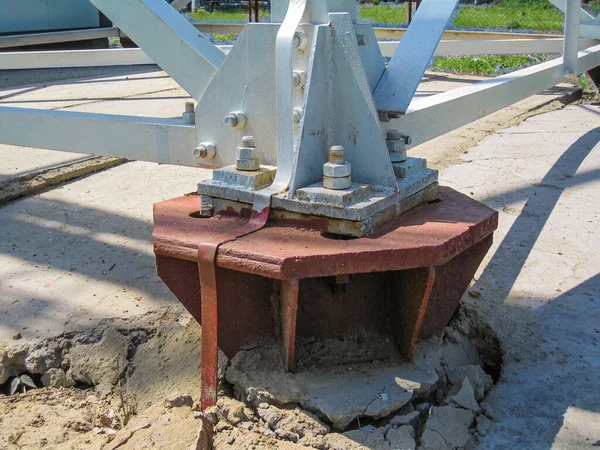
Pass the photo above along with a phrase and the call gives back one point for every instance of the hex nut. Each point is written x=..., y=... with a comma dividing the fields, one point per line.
x=333, y=170
x=247, y=153
x=337, y=184
x=247, y=164
x=235, y=119
x=205, y=150
x=299, y=78
x=300, y=41
x=396, y=146
x=398, y=157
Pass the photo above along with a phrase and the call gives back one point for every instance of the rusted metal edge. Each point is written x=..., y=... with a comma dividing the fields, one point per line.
x=308, y=267
x=207, y=262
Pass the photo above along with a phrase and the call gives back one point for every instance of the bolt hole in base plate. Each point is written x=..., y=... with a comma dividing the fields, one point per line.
x=198, y=215
x=338, y=237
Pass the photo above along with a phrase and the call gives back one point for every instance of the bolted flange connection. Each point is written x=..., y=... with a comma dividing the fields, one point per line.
x=189, y=115
x=236, y=119
x=337, y=172
x=206, y=150
x=396, y=144
x=247, y=156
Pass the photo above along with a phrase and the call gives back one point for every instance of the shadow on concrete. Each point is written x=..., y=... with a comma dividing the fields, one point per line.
x=556, y=357
x=69, y=239
x=24, y=78
x=107, y=99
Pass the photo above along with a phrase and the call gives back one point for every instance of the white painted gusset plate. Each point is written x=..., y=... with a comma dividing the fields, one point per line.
x=405, y=71
x=168, y=38
x=345, y=40
x=245, y=82
x=312, y=147
x=166, y=141
x=370, y=53
x=340, y=111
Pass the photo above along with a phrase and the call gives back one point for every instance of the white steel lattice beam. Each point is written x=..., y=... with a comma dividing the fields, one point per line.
x=439, y=114
x=493, y=47
x=168, y=38
x=139, y=138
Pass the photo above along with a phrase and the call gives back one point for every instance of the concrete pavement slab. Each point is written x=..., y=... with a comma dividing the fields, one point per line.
x=83, y=252
x=540, y=284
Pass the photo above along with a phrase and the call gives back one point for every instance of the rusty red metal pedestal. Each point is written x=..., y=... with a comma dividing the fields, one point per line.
x=283, y=282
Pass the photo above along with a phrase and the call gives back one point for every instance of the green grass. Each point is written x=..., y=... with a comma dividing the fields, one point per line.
x=509, y=16
x=595, y=6
x=384, y=14
x=224, y=37
x=522, y=14
x=483, y=64
x=378, y=13
x=219, y=15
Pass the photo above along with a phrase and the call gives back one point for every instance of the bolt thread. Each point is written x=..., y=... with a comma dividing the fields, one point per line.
x=189, y=107
x=394, y=135
x=337, y=155
x=248, y=142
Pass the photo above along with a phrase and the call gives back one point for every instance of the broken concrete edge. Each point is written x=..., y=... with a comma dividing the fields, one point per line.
x=150, y=348
x=38, y=181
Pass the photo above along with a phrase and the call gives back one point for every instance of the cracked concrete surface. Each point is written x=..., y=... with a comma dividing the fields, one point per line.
x=540, y=284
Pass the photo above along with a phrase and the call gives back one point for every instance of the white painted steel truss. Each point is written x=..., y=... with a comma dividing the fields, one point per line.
x=318, y=80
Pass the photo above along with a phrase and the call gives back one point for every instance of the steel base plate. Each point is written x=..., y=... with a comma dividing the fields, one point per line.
x=283, y=282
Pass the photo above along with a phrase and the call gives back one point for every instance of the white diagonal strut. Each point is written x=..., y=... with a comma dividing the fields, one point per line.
x=168, y=38
x=180, y=4
x=405, y=71
x=585, y=18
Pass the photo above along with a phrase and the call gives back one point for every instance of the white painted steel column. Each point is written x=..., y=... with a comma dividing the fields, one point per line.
x=571, y=44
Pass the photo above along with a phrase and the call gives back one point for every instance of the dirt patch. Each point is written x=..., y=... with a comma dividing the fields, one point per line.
x=135, y=384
